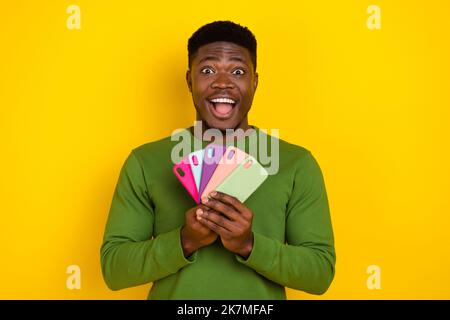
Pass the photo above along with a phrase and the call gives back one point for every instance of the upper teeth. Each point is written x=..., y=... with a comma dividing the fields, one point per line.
x=222, y=100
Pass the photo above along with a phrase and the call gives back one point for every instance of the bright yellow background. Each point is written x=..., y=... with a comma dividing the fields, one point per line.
x=372, y=106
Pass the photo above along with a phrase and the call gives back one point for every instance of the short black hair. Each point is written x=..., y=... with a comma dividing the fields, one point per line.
x=222, y=31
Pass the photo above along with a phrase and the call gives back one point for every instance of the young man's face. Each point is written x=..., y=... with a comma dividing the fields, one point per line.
x=222, y=82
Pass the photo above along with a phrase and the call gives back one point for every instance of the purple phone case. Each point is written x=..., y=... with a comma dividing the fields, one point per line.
x=210, y=163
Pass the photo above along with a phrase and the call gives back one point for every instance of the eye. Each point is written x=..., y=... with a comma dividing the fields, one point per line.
x=207, y=70
x=238, y=72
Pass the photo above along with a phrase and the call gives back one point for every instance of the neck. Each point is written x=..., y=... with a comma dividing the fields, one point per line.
x=201, y=127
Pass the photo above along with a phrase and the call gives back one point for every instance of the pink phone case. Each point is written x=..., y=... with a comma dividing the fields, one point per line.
x=183, y=172
x=229, y=161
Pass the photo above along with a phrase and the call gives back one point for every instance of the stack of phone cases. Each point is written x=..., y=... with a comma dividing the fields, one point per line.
x=224, y=169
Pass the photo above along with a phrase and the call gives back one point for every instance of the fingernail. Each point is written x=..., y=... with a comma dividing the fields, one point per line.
x=199, y=211
x=212, y=194
x=205, y=200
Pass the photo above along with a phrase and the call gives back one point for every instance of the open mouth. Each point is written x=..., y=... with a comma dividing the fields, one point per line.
x=222, y=108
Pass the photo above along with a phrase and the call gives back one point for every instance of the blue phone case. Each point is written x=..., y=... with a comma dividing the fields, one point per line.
x=196, y=161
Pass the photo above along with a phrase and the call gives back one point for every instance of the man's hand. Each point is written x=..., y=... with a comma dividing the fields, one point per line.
x=194, y=235
x=231, y=219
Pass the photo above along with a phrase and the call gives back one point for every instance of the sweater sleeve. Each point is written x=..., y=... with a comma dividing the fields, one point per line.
x=307, y=260
x=130, y=254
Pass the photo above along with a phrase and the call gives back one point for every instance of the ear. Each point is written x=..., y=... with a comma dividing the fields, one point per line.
x=188, y=80
x=255, y=83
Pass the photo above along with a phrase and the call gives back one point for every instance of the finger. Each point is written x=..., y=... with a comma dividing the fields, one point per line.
x=223, y=208
x=215, y=227
x=220, y=220
x=196, y=223
x=199, y=212
x=232, y=202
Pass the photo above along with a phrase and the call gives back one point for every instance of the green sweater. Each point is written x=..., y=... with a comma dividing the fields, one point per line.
x=293, y=237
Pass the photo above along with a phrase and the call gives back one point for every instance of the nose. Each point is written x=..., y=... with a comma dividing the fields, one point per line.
x=222, y=82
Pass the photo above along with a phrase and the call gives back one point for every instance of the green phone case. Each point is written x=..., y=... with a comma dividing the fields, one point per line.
x=244, y=180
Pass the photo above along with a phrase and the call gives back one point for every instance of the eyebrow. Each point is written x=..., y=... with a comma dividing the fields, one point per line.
x=215, y=58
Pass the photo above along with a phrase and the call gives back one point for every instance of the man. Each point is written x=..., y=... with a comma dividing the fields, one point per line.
x=221, y=249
